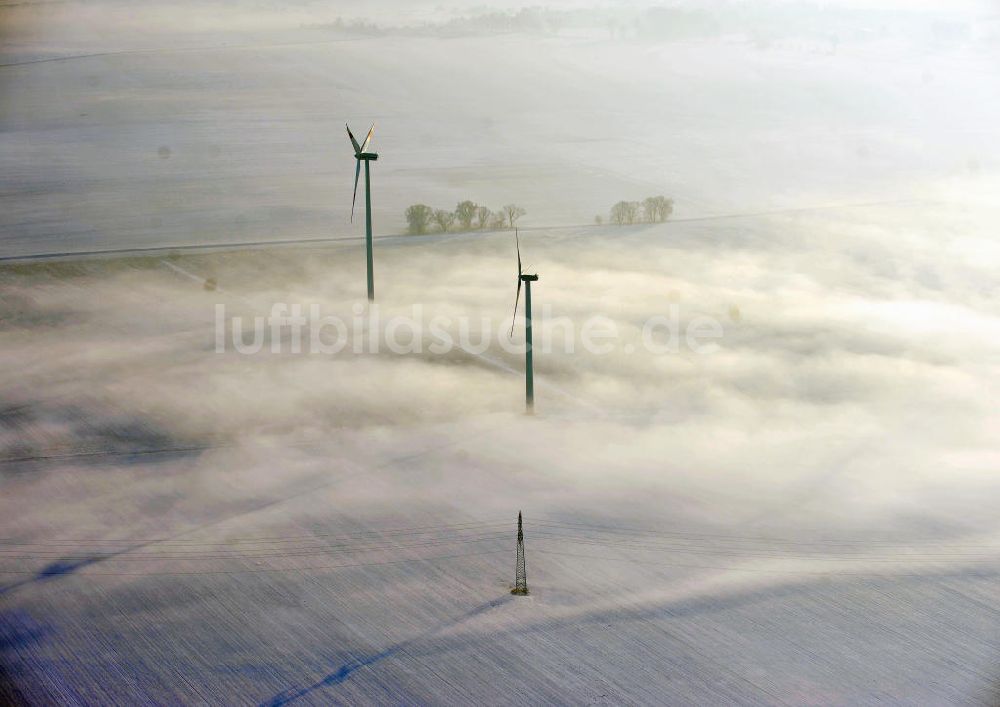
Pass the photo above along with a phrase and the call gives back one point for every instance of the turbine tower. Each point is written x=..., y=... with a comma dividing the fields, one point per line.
x=362, y=155
x=520, y=574
x=529, y=379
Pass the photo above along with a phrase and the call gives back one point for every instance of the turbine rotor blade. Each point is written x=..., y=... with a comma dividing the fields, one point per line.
x=517, y=245
x=357, y=147
x=368, y=139
x=516, y=300
x=357, y=174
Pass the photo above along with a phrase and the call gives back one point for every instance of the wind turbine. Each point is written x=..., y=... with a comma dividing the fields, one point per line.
x=529, y=382
x=361, y=155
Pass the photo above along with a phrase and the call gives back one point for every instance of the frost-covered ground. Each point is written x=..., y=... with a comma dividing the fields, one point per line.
x=804, y=512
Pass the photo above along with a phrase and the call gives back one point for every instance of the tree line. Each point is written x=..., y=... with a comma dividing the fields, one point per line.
x=653, y=209
x=467, y=216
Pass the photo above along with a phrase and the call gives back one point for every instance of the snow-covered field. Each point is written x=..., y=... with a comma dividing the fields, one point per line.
x=124, y=129
x=802, y=512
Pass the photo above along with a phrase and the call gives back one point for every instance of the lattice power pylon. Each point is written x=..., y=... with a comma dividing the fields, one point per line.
x=520, y=574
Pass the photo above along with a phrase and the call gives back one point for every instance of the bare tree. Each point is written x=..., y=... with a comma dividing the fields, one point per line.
x=419, y=218
x=465, y=212
x=625, y=212
x=666, y=207
x=483, y=215
x=513, y=213
x=657, y=208
x=444, y=219
x=598, y=220
x=650, y=209
x=499, y=221
x=617, y=215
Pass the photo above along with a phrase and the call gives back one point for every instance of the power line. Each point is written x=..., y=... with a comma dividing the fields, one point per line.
x=115, y=453
x=741, y=552
x=141, y=250
x=267, y=569
x=743, y=538
x=643, y=562
x=174, y=50
x=284, y=552
x=273, y=538
x=762, y=570
x=261, y=506
x=374, y=543
x=621, y=536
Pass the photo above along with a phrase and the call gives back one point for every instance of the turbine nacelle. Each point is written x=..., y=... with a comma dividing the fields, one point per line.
x=529, y=278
